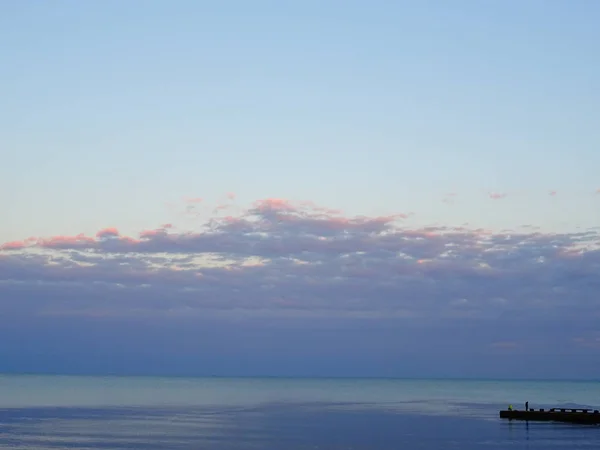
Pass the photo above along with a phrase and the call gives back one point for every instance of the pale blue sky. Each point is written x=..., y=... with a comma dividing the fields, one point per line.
x=110, y=109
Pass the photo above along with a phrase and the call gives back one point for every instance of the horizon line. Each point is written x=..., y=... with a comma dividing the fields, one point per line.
x=296, y=377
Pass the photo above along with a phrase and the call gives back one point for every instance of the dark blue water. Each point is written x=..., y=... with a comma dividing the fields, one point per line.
x=298, y=426
x=131, y=413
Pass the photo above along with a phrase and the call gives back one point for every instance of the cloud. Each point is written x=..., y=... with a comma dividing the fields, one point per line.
x=280, y=258
x=191, y=206
x=588, y=341
x=496, y=195
x=16, y=245
x=192, y=200
x=226, y=205
x=107, y=233
x=450, y=197
x=552, y=193
x=285, y=279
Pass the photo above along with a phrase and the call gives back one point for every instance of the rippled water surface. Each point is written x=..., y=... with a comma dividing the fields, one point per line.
x=53, y=412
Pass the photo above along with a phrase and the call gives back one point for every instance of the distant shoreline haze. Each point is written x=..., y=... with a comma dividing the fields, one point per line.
x=295, y=377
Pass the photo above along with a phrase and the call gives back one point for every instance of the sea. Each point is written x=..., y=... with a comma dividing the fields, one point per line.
x=88, y=412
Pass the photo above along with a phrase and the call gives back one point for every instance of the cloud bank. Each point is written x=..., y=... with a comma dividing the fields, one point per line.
x=280, y=258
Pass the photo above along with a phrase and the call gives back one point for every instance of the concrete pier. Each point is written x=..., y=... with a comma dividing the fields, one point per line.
x=571, y=415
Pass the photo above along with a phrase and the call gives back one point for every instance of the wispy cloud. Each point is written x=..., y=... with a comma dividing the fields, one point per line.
x=192, y=200
x=450, y=197
x=590, y=340
x=496, y=195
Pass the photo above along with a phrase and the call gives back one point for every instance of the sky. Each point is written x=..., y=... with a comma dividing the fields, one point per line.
x=316, y=188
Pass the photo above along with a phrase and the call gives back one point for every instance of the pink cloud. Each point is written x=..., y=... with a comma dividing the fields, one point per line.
x=147, y=234
x=449, y=197
x=107, y=232
x=14, y=245
x=192, y=200
x=275, y=216
x=331, y=264
x=496, y=195
x=317, y=208
x=151, y=233
x=286, y=229
x=222, y=207
x=17, y=245
x=277, y=204
x=79, y=241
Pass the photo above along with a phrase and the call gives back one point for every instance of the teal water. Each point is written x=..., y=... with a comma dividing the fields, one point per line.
x=46, y=412
x=50, y=390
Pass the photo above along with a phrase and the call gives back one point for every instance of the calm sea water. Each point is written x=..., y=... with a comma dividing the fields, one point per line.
x=55, y=412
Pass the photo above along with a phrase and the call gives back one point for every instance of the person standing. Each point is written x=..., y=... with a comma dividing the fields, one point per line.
x=526, y=406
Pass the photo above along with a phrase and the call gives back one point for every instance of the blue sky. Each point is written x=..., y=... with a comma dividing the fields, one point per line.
x=464, y=113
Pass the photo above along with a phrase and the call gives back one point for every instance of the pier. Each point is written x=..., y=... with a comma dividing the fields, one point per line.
x=571, y=415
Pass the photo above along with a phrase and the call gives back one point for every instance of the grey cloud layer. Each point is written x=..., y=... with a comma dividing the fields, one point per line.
x=283, y=259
